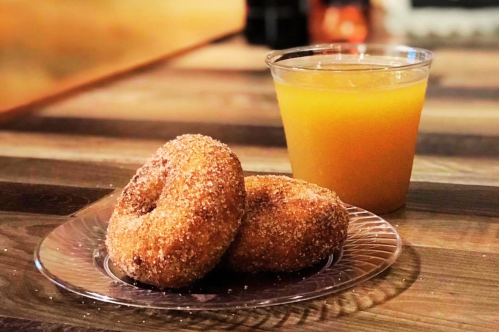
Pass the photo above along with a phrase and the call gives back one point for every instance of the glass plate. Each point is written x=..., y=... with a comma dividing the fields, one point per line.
x=74, y=257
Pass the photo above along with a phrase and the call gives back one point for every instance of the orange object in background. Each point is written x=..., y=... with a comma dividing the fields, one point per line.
x=334, y=21
x=49, y=47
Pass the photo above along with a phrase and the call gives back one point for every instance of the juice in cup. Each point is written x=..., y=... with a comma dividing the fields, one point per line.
x=351, y=118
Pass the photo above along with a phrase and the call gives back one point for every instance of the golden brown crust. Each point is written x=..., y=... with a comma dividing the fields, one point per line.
x=179, y=213
x=288, y=225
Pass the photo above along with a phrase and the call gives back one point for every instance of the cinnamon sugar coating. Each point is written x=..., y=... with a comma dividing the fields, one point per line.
x=179, y=213
x=288, y=225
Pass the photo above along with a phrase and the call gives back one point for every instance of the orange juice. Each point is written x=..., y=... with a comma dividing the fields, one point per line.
x=353, y=128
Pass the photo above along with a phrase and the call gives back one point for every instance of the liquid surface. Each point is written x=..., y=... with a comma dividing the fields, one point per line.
x=354, y=131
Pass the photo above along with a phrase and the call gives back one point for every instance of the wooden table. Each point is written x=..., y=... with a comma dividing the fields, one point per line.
x=68, y=155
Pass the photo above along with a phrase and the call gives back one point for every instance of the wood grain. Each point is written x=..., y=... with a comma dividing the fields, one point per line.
x=457, y=68
x=446, y=231
x=268, y=136
x=236, y=97
x=47, y=199
x=129, y=151
x=65, y=173
x=446, y=144
x=25, y=325
x=458, y=116
x=479, y=171
x=455, y=199
x=418, y=293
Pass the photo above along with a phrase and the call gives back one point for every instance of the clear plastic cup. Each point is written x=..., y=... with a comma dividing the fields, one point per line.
x=351, y=115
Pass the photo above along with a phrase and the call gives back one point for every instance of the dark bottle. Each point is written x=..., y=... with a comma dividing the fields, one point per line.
x=277, y=23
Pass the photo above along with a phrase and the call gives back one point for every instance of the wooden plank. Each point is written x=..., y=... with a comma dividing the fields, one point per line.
x=76, y=148
x=65, y=173
x=28, y=325
x=479, y=171
x=427, y=288
x=38, y=223
x=456, y=170
x=467, y=67
x=237, y=97
x=451, y=198
x=446, y=231
x=423, y=196
x=129, y=151
x=458, y=116
x=446, y=144
x=457, y=145
x=47, y=199
x=449, y=289
x=268, y=136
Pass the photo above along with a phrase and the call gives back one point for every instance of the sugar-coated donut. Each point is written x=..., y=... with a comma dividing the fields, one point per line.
x=288, y=225
x=179, y=213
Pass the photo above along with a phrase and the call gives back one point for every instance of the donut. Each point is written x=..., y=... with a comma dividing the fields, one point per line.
x=178, y=215
x=288, y=225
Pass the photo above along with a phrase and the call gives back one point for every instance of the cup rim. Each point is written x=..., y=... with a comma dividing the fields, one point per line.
x=273, y=58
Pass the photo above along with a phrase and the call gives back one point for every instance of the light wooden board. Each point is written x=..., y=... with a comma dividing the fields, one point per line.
x=51, y=49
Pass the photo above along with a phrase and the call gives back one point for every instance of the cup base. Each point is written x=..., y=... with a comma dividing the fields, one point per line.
x=380, y=209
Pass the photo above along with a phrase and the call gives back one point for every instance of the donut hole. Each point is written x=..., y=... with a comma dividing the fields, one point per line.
x=157, y=188
x=149, y=209
x=153, y=199
x=149, y=203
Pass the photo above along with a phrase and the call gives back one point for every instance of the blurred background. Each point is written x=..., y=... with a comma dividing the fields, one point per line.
x=52, y=47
